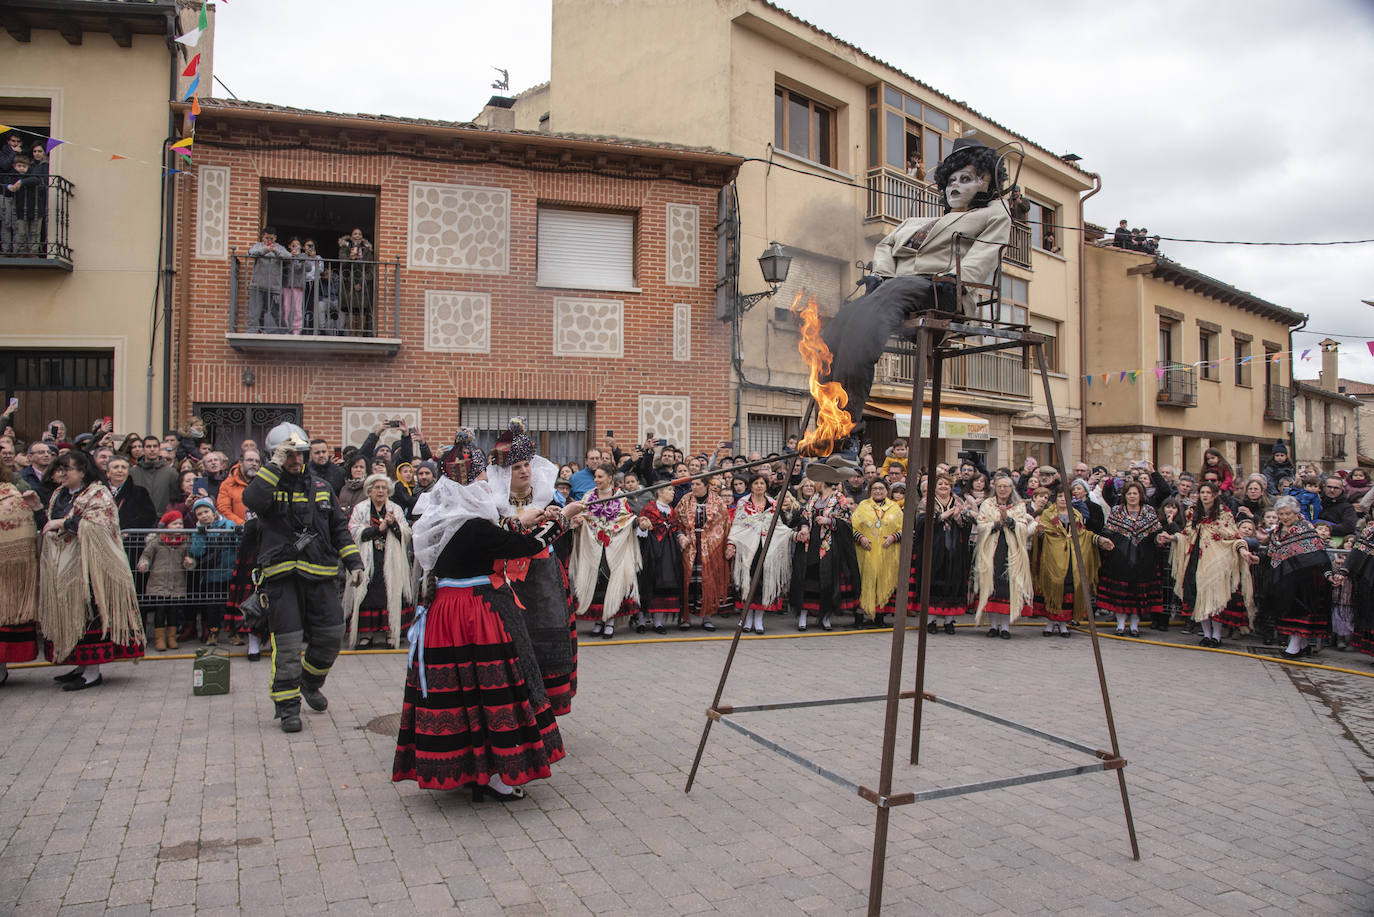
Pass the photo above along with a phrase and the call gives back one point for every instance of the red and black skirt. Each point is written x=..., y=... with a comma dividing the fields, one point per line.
x=1234, y=614
x=1124, y=598
x=478, y=719
x=1304, y=604
x=19, y=642
x=95, y=649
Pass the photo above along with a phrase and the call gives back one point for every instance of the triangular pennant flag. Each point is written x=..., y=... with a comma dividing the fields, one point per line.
x=1134, y=373
x=190, y=39
x=52, y=144
x=191, y=90
x=173, y=172
x=1159, y=372
x=184, y=152
x=191, y=67
x=4, y=128
x=1123, y=376
x=1370, y=345
x=1306, y=352
x=1246, y=360
x=195, y=106
x=1090, y=378
x=114, y=156
x=183, y=143
x=204, y=22
x=1106, y=378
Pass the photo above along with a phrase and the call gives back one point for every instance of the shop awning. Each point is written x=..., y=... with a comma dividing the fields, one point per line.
x=954, y=424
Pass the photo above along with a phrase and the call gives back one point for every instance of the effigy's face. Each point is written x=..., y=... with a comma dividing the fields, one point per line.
x=963, y=186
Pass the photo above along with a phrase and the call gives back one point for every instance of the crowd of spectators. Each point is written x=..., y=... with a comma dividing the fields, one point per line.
x=23, y=195
x=183, y=481
x=293, y=290
x=1135, y=239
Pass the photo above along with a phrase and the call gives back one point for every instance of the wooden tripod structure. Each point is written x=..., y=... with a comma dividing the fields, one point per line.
x=932, y=332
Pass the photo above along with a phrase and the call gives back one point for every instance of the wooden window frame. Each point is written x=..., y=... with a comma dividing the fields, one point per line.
x=781, y=130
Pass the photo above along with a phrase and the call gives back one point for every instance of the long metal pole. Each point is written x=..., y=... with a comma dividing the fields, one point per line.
x=927, y=547
x=705, y=474
x=894, y=668
x=754, y=581
x=1081, y=587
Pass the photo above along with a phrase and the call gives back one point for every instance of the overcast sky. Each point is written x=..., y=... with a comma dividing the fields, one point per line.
x=1207, y=120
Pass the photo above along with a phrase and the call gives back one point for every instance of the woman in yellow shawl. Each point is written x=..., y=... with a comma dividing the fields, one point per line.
x=1210, y=559
x=877, y=524
x=1056, y=572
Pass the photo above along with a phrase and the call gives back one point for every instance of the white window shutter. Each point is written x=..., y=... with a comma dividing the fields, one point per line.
x=586, y=250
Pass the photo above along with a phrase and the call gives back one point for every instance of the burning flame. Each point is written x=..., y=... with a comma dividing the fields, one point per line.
x=832, y=421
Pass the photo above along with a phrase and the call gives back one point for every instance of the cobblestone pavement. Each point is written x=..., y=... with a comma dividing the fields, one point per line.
x=1250, y=784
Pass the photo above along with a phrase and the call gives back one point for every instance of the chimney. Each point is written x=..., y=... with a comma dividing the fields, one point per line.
x=499, y=114
x=1329, y=378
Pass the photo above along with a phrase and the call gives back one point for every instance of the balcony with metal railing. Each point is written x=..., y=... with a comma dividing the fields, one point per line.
x=35, y=231
x=993, y=373
x=1177, y=385
x=1278, y=403
x=1019, y=251
x=894, y=196
x=336, y=305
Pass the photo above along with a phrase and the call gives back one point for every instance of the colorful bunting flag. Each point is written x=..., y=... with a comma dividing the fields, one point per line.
x=195, y=108
x=1306, y=352
x=52, y=144
x=1134, y=373
x=114, y=156
x=204, y=22
x=191, y=67
x=190, y=39
x=1370, y=345
x=1090, y=380
x=183, y=143
x=1159, y=372
x=191, y=90
x=4, y=128
x=183, y=152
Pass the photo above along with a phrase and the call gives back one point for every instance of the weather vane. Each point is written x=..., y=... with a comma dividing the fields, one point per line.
x=504, y=82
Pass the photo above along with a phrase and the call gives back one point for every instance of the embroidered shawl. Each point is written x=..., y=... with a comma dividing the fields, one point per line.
x=1220, y=570
x=1145, y=524
x=395, y=568
x=1018, y=555
x=74, y=569
x=607, y=527
x=18, y=558
x=715, y=575
x=746, y=534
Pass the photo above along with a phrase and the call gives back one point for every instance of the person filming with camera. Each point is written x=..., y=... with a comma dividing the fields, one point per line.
x=304, y=538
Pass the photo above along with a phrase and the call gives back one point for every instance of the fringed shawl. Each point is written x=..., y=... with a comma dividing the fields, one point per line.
x=88, y=566
x=607, y=527
x=715, y=573
x=746, y=534
x=1220, y=571
x=1143, y=525
x=880, y=564
x=395, y=568
x=18, y=558
x=1018, y=556
x=1056, y=561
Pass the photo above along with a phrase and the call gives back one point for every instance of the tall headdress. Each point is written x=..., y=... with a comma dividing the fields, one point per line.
x=513, y=445
x=465, y=461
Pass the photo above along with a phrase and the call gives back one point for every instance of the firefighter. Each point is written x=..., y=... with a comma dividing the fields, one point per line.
x=304, y=537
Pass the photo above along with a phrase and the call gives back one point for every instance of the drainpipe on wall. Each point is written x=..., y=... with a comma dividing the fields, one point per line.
x=168, y=230
x=1083, y=318
x=1293, y=390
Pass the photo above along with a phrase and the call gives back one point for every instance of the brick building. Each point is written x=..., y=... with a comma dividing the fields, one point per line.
x=570, y=278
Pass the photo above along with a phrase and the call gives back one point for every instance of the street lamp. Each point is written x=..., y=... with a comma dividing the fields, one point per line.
x=774, y=262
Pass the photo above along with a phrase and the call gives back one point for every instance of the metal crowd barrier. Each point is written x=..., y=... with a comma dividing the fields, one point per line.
x=207, y=583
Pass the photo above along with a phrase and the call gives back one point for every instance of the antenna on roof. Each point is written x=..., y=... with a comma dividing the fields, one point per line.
x=504, y=83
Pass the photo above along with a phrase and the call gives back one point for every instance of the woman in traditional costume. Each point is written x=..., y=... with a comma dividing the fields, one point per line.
x=1209, y=555
x=1359, y=570
x=703, y=528
x=1002, y=569
x=950, y=557
x=1062, y=531
x=877, y=525
x=522, y=479
x=604, y=568
x=383, y=603
x=87, y=605
x=824, y=567
x=475, y=711
x=18, y=576
x=660, y=570
x=1128, y=584
x=1298, y=578
x=753, y=516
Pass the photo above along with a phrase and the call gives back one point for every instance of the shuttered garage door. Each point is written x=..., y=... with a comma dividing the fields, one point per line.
x=586, y=249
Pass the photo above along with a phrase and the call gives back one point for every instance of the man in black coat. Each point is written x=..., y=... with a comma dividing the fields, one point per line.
x=1336, y=509
x=322, y=465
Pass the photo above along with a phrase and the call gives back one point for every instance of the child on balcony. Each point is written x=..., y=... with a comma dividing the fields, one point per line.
x=293, y=287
